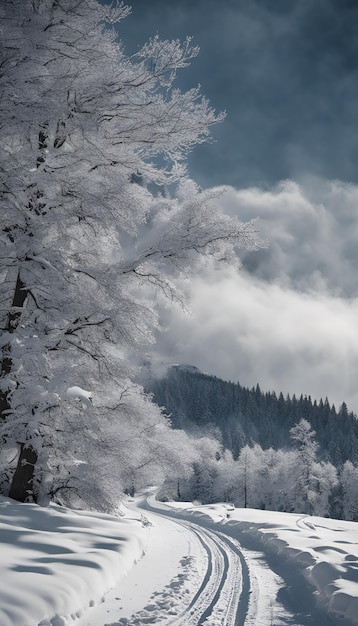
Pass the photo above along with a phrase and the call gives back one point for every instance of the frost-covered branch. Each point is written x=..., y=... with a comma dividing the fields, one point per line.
x=88, y=136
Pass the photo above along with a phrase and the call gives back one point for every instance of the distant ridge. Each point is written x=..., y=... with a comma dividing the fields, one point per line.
x=186, y=368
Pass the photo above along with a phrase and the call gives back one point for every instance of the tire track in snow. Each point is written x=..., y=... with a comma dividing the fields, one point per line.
x=223, y=596
x=202, y=604
x=243, y=601
x=221, y=578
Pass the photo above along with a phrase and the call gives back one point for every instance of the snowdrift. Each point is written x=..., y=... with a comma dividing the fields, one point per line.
x=56, y=562
x=324, y=551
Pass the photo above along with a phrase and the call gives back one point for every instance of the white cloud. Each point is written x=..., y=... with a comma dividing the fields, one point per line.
x=289, y=321
x=312, y=231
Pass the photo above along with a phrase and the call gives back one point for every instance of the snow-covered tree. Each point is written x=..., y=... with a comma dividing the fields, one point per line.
x=305, y=488
x=227, y=486
x=276, y=480
x=349, y=483
x=202, y=484
x=314, y=481
x=83, y=240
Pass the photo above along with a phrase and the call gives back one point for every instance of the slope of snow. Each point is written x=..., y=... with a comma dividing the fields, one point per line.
x=55, y=562
x=325, y=551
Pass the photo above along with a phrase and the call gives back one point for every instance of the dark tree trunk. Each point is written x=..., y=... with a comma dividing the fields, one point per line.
x=11, y=323
x=22, y=483
x=21, y=487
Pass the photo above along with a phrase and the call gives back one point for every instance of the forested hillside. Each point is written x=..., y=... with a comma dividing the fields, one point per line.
x=247, y=416
x=260, y=450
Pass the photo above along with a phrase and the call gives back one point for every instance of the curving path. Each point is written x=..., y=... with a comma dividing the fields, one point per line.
x=236, y=589
x=191, y=575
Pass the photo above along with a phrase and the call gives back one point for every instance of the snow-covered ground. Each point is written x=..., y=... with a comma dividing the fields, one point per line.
x=202, y=565
x=55, y=563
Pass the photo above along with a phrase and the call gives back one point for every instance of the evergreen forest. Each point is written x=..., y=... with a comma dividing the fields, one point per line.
x=250, y=423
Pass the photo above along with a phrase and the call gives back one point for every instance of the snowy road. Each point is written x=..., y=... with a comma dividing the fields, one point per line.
x=201, y=577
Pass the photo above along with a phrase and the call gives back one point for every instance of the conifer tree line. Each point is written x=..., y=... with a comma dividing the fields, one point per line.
x=275, y=452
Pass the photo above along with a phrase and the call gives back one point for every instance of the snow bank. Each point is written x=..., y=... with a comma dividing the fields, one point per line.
x=56, y=562
x=325, y=551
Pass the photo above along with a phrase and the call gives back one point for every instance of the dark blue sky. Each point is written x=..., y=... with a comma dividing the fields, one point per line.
x=286, y=72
